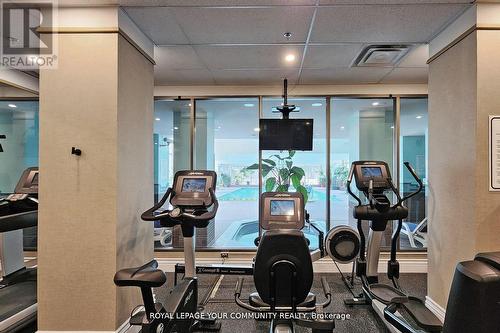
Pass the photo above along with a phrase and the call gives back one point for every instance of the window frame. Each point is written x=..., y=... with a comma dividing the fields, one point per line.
x=328, y=110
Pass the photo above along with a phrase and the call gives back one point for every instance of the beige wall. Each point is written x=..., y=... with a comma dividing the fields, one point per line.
x=463, y=215
x=135, y=168
x=99, y=99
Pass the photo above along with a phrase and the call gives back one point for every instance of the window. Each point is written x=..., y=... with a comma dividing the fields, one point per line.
x=311, y=163
x=19, y=124
x=171, y=151
x=227, y=141
x=413, y=149
x=222, y=134
x=360, y=129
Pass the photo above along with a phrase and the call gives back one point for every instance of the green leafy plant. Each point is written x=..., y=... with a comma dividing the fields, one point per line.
x=282, y=173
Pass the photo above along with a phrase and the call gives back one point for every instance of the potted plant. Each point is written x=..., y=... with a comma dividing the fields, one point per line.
x=282, y=173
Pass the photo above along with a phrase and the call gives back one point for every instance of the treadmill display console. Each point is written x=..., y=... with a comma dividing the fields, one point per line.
x=282, y=207
x=196, y=185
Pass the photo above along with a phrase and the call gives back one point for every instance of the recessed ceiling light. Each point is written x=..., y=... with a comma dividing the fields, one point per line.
x=316, y=104
x=375, y=103
x=248, y=105
x=290, y=57
x=342, y=127
x=256, y=129
x=392, y=127
x=157, y=119
x=12, y=106
x=176, y=128
x=418, y=117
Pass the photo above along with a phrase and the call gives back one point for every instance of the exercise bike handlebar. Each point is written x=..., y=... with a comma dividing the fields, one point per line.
x=150, y=215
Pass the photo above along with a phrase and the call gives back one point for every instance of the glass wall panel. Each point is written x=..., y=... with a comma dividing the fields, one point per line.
x=413, y=149
x=313, y=163
x=19, y=124
x=171, y=151
x=227, y=141
x=360, y=129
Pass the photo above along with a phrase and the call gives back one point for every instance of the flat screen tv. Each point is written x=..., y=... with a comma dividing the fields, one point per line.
x=286, y=134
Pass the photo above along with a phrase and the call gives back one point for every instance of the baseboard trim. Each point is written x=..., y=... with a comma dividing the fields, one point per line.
x=324, y=265
x=435, y=308
x=122, y=329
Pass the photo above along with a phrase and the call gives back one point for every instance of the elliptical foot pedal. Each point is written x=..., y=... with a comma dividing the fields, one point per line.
x=416, y=308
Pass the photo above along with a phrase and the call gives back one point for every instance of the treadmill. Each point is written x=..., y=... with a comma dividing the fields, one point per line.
x=18, y=302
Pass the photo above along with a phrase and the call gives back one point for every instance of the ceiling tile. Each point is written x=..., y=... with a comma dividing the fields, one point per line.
x=204, y=25
x=377, y=24
x=177, y=57
x=343, y=75
x=254, y=57
x=254, y=77
x=417, y=57
x=159, y=24
x=165, y=76
x=387, y=2
x=207, y=3
x=327, y=56
x=407, y=75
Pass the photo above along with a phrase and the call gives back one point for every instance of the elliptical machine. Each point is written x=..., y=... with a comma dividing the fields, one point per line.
x=373, y=179
x=473, y=305
x=194, y=203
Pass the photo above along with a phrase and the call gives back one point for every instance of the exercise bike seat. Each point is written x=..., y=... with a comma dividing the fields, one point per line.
x=147, y=275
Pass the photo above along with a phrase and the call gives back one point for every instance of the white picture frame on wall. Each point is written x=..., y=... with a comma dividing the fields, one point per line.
x=494, y=153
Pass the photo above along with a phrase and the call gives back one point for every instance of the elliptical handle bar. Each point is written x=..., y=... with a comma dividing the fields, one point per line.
x=349, y=180
x=417, y=178
x=149, y=214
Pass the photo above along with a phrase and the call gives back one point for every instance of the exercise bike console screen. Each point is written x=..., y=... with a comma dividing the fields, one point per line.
x=282, y=207
x=196, y=185
x=282, y=210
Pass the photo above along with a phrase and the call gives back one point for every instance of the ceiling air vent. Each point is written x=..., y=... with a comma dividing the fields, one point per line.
x=380, y=55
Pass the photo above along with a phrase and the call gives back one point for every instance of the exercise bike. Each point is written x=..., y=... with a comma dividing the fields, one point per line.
x=283, y=271
x=473, y=302
x=194, y=203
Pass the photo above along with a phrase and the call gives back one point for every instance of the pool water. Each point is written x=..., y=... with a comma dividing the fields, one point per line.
x=243, y=234
x=252, y=194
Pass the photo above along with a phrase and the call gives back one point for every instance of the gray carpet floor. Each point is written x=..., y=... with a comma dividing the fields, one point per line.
x=362, y=319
